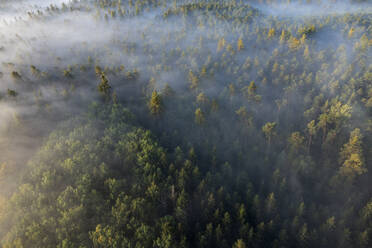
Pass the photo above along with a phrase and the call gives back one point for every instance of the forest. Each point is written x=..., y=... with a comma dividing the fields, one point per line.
x=185, y=123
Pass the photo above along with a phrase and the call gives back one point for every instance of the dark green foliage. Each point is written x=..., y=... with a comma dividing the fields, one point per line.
x=12, y=93
x=104, y=87
x=16, y=75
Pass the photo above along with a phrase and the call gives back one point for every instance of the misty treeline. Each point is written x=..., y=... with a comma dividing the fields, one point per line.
x=153, y=123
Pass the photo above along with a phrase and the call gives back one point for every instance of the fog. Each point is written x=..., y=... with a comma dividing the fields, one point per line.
x=301, y=57
x=314, y=8
x=53, y=41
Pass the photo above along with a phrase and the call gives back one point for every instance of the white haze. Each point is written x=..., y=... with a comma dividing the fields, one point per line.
x=74, y=36
x=11, y=11
x=314, y=9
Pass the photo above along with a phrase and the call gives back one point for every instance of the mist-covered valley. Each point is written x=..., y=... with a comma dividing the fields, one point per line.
x=155, y=123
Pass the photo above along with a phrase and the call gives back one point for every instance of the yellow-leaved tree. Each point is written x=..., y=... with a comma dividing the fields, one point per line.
x=351, y=156
x=155, y=104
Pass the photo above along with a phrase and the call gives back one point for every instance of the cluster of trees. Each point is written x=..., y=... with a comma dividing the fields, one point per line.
x=215, y=125
x=101, y=181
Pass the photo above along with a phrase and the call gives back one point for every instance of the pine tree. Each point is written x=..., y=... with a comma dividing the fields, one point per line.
x=104, y=87
x=269, y=131
x=199, y=116
x=351, y=156
x=155, y=104
x=240, y=44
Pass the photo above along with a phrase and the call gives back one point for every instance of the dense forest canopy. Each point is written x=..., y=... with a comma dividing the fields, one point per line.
x=184, y=123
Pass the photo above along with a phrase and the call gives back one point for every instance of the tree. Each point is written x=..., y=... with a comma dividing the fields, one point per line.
x=214, y=105
x=104, y=87
x=269, y=131
x=239, y=244
x=221, y=44
x=339, y=113
x=306, y=53
x=194, y=81
x=166, y=239
x=270, y=204
x=155, y=104
x=294, y=43
x=351, y=156
x=34, y=71
x=240, y=44
x=202, y=99
x=199, y=116
x=282, y=37
x=323, y=122
x=250, y=92
x=303, y=235
x=311, y=130
x=231, y=91
x=296, y=141
x=271, y=33
x=12, y=93
x=252, y=88
x=244, y=116
x=351, y=32
x=16, y=76
x=366, y=213
x=363, y=239
x=98, y=70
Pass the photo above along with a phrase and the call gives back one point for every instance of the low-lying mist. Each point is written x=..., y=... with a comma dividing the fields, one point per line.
x=240, y=81
x=60, y=43
x=48, y=55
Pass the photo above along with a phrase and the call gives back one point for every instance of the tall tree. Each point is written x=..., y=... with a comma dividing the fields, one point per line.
x=351, y=156
x=199, y=116
x=104, y=87
x=155, y=104
x=269, y=131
